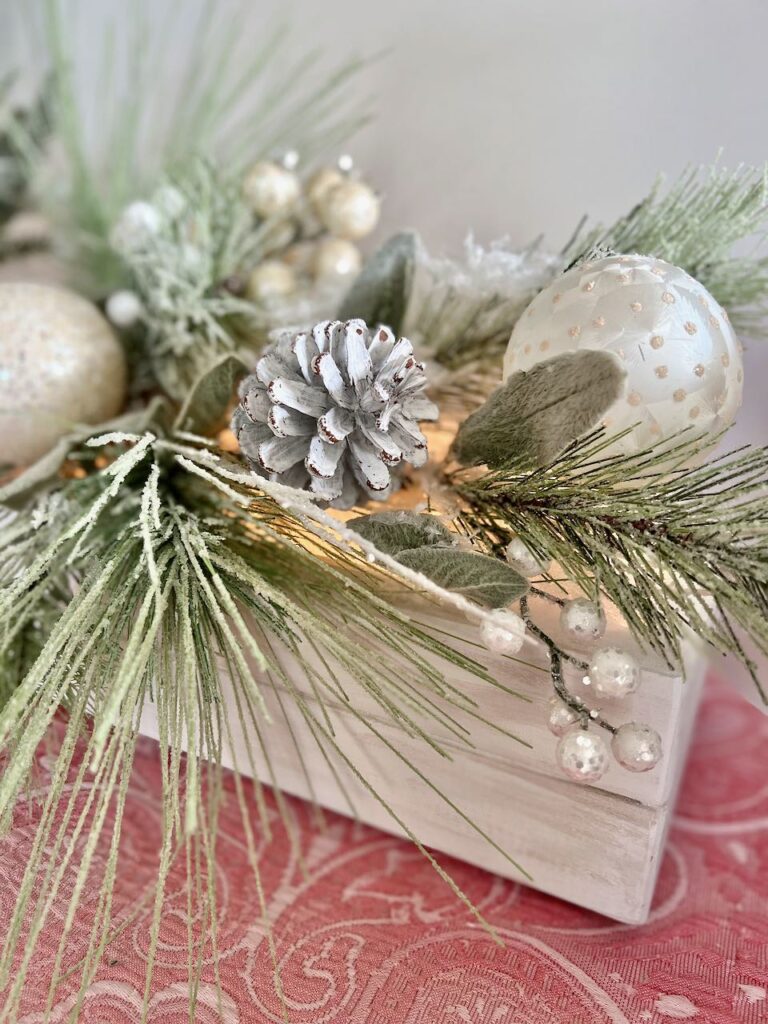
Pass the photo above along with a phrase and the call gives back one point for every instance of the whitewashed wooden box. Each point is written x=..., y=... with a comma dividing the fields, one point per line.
x=596, y=846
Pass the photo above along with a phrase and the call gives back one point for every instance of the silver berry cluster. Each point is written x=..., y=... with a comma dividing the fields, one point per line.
x=335, y=410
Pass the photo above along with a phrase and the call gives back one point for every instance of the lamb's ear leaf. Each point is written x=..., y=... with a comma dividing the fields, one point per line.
x=205, y=407
x=396, y=530
x=479, y=578
x=380, y=293
x=17, y=492
x=536, y=413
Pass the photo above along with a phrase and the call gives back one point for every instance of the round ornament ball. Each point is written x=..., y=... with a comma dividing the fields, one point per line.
x=60, y=365
x=124, y=309
x=270, y=280
x=350, y=210
x=336, y=258
x=583, y=756
x=270, y=189
x=637, y=747
x=520, y=557
x=503, y=632
x=320, y=184
x=614, y=673
x=561, y=717
x=683, y=361
x=583, y=619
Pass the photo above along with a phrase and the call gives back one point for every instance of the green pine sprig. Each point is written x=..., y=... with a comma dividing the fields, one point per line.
x=676, y=546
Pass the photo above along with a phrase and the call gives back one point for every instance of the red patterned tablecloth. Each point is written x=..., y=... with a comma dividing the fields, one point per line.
x=372, y=936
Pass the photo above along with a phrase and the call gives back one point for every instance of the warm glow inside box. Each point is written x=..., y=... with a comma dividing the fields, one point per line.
x=598, y=846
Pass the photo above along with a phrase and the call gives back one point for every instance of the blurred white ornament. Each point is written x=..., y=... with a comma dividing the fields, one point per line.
x=503, y=632
x=583, y=619
x=60, y=365
x=336, y=258
x=320, y=184
x=637, y=747
x=683, y=361
x=614, y=673
x=520, y=557
x=271, y=279
x=583, y=756
x=124, y=309
x=561, y=717
x=138, y=222
x=270, y=189
x=345, y=163
x=350, y=210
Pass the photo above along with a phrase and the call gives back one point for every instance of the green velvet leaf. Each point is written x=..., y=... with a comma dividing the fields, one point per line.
x=395, y=531
x=380, y=294
x=206, y=404
x=479, y=578
x=538, y=412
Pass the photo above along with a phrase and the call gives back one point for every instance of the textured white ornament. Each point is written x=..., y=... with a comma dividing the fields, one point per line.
x=336, y=258
x=320, y=184
x=503, y=632
x=561, y=717
x=270, y=189
x=350, y=210
x=271, y=279
x=137, y=223
x=637, y=747
x=60, y=365
x=583, y=619
x=124, y=309
x=583, y=756
x=614, y=673
x=520, y=557
x=683, y=361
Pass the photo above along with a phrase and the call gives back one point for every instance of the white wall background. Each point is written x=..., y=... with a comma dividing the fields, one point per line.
x=517, y=116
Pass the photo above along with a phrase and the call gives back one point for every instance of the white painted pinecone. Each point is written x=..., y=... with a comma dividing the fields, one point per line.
x=334, y=411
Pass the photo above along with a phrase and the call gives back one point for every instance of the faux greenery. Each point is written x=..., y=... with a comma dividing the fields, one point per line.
x=169, y=575
x=241, y=95
x=675, y=546
x=695, y=225
x=537, y=412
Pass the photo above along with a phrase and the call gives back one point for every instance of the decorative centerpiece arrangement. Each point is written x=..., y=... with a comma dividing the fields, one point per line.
x=229, y=444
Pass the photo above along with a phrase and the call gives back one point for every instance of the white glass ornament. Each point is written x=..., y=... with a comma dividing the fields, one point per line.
x=503, y=632
x=520, y=557
x=637, y=747
x=350, y=210
x=583, y=756
x=321, y=183
x=270, y=189
x=683, y=361
x=561, y=717
x=271, y=279
x=583, y=619
x=614, y=673
x=137, y=223
x=60, y=364
x=124, y=309
x=336, y=258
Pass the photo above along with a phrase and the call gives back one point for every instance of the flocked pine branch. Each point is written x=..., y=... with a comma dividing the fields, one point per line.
x=672, y=545
x=172, y=574
x=241, y=93
x=695, y=225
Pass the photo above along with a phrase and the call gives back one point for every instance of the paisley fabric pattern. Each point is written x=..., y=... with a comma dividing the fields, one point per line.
x=366, y=933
